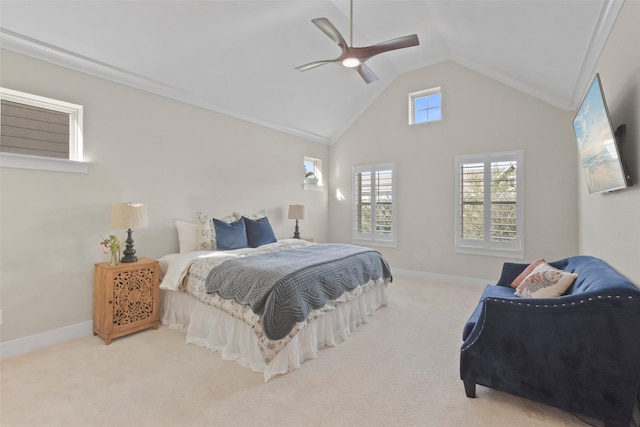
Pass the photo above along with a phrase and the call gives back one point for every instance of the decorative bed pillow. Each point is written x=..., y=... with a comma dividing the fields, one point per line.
x=187, y=236
x=545, y=281
x=230, y=235
x=257, y=215
x=206, y=237
x=259, y=232
x=516, y=282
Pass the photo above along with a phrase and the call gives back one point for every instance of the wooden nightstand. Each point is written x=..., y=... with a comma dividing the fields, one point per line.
x=125, y=298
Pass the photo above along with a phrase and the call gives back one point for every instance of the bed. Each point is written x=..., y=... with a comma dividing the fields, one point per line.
x=270, y=340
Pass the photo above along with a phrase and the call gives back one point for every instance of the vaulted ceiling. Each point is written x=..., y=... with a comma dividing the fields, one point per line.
x=238, y=57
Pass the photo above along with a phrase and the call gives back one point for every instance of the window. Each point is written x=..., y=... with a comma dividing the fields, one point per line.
x=489, y=204
x=374, y=208
x=425, y=106
x=312, y=173
x=40, y=133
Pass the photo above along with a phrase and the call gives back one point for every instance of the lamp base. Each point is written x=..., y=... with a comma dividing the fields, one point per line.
x=129, y=253
x=296, y=233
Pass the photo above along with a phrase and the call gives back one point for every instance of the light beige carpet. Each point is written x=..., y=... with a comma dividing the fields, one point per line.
x=400, y=369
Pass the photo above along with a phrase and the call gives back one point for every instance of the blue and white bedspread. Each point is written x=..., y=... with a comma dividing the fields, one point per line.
x=188, y=273
x=283, y=287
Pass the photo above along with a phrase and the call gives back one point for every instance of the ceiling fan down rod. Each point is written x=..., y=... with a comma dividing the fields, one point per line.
x=351, y=24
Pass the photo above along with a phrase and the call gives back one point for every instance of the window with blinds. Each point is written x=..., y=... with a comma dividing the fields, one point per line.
x=374, y=210
x=33, y=130
x=33, y=127
x=489, y=204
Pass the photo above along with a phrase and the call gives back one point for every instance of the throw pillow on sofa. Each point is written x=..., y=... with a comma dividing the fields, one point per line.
x=516, y=282
x=545, y=281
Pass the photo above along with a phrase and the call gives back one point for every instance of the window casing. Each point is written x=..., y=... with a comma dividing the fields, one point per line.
x=489, y=194
x=40, y=133
x=374, y=204
x=425, y=106
x=312, y=165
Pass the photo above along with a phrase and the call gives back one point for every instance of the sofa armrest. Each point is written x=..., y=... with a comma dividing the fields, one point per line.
x=578, y=348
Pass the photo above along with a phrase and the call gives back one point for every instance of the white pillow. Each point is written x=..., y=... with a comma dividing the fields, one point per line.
x=187, y=235
x=545, y=281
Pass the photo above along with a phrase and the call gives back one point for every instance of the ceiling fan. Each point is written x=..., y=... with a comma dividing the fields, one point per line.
x=355, y=57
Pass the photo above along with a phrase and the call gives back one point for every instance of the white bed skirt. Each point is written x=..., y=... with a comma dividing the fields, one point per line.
x=234, y=339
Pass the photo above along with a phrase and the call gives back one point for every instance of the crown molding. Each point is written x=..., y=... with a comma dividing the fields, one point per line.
x=49, y=53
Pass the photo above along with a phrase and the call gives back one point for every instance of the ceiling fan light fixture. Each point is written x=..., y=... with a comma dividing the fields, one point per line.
x=355, y=58
x=351, y=62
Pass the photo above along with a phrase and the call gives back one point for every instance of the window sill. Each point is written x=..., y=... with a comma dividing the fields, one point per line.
x=490, y=252
x=379, y=243
x=22, y=161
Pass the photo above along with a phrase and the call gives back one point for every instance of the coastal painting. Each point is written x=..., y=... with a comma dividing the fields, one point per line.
x=596, y=143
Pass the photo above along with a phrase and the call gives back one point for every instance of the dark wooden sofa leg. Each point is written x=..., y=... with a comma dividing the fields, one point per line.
x=470, y=388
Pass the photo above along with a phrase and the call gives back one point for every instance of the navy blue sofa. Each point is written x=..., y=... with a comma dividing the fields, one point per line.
x=579, y=352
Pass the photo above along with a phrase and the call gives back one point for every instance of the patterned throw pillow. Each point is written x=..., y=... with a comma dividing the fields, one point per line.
x=545, y=281
x=206, y=238
x=516, y=282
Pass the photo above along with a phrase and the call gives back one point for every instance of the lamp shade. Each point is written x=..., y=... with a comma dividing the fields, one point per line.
x=129, y=215
x=296, y=211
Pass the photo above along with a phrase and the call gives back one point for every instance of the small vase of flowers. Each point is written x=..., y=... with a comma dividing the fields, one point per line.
x=112, y=246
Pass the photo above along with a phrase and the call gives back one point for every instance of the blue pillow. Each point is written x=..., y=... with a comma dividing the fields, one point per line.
x=230, y=235
x=259, y=232
x=510, y=271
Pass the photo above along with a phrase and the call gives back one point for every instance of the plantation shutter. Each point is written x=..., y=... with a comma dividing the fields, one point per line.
x=504, y=190
x=374, y=212
x=383, y=201
x=36, y=131
x=362, y=187
x=472, y=201
x=489, y=212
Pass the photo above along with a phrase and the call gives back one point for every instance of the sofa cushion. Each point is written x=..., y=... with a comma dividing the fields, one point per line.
x=545, y=281
x=510, y=270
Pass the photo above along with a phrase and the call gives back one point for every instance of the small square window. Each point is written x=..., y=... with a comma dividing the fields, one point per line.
x=312, y=173
x=425, y=106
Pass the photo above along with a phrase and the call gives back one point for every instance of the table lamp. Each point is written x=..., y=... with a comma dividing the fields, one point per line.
x=128, y=216
x=296, y=212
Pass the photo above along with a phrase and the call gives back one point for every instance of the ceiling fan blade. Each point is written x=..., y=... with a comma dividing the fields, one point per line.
x=393, y=44
x=331, y=31
x=314, y=64
x=366, y=73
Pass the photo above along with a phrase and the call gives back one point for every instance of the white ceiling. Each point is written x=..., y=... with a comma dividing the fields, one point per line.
x=238, y=57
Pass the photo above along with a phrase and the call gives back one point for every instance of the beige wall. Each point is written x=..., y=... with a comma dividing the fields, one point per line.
x=180, y=159
x=479, y=115
x=176, y=158
x=610, y=223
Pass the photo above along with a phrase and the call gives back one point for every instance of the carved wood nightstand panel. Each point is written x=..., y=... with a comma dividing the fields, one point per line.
x=133, y=298
x=125, y=298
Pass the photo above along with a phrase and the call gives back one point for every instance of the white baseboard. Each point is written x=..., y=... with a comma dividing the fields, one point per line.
x=461, y=280
x=45, y=339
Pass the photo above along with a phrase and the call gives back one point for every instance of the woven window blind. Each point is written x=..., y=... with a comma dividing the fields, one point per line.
x=36, y=131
